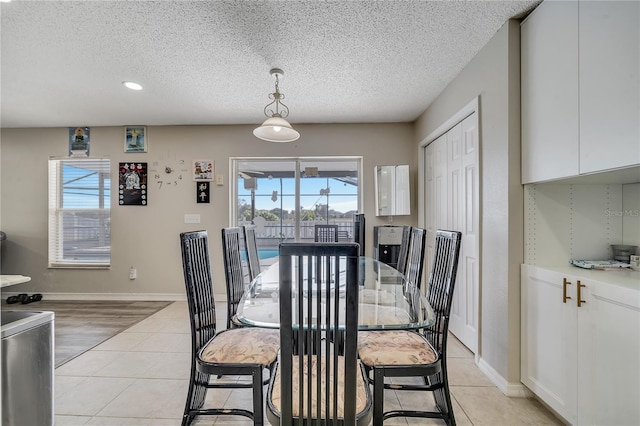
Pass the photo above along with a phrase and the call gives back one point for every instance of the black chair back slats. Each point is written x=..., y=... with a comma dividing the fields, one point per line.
x=251, y=249
x=441, y=284
x=415, y=258
x=197, y=276
x=404, y=249
x=359, y=230
x=231, y=243
x=325, y=233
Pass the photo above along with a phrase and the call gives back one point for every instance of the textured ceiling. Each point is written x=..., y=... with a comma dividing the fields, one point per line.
x=208, y=62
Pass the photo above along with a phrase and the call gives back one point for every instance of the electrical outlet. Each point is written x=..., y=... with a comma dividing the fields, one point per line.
x=133, y=273
x=191, y=218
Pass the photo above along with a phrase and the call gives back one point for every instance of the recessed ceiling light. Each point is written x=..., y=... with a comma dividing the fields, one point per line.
x=131, y=85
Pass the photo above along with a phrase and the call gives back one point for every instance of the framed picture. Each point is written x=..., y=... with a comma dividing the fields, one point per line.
x=202, y=192
x=202, y=170
x=135, y=139
x=132, y=184
x=79, y=141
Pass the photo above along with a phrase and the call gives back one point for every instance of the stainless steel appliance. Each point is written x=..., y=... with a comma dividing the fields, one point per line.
x=27, y=368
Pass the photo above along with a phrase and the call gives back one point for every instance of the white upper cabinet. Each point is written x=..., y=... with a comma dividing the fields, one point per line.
x=549, y=56
x=580, y=88
x=392, y=190
x=609, y=85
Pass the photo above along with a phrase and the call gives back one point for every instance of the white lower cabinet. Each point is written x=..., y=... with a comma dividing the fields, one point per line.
x=582, y=359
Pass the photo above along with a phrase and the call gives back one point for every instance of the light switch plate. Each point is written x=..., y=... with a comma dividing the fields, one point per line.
x=219, y=180
x=191, y=218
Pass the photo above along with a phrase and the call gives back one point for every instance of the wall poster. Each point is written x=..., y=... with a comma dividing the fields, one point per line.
x=202, y=192
x=202, y=170
x=79, y=141
x=135, y=139
x=132, y=184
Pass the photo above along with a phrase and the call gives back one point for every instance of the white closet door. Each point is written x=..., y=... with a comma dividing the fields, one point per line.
x=452, y=198
x=436, y=187
x=464, y=217
x=455, y=220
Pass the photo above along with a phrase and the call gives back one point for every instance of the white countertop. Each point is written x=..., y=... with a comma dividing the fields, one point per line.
x=8, y=280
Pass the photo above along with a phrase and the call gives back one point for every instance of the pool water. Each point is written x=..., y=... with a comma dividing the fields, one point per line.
x=267, y=253
x=263, y=253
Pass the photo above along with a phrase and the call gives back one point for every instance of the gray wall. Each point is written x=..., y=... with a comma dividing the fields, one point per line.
x=147, y=237
x=494, y=76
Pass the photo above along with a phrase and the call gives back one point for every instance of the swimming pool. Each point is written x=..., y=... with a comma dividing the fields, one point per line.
x=267, y=253
x=263, y=253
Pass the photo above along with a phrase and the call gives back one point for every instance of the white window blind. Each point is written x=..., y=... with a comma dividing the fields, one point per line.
x=79, y=213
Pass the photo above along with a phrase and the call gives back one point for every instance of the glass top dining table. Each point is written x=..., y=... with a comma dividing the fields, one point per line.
x=386, y=300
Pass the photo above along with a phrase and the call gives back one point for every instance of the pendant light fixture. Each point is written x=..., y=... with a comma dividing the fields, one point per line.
x=275, y=128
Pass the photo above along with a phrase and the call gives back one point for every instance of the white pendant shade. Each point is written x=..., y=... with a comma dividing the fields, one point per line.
x=276, y=129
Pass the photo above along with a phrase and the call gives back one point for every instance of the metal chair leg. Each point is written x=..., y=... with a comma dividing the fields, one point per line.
x=443, y=402
x=378, y=397
x=195, y=395
x=258, y=414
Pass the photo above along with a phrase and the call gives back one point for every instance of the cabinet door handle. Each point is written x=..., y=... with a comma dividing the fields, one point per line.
x=579, y=296
x=565, y=283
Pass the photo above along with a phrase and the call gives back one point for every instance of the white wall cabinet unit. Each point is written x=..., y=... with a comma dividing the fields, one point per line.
x=582, y=358
x=392, y=190
x=549, y=59
x=609, y=84
x=580, y=89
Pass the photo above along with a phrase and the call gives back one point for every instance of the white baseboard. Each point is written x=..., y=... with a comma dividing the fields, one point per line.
x=516, y=390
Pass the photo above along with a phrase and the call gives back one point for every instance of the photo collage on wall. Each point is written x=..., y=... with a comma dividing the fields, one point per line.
x=203, y=175
x=132, y=175
x=132, y=184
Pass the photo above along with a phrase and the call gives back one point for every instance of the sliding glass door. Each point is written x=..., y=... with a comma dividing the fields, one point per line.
x=286, y=197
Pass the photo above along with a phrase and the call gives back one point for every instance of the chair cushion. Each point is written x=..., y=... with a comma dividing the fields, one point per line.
x=243, y=346
x=394, y=347
x=361, y=392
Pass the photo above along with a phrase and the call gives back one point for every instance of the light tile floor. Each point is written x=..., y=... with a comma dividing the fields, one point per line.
x=139, y=377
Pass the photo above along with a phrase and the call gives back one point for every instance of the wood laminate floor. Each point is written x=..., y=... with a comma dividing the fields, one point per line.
x=81, y=325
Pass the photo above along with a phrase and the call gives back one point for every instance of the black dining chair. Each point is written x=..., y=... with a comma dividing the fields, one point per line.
x=233, y=272
x=323, y=233
x=243, y=351
x=251, y=250
x=316, y=382
x=403, y=254
x=415, y=256
x=420, y=354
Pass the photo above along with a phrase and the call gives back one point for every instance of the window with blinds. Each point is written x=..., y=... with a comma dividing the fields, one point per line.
x=79, y=213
